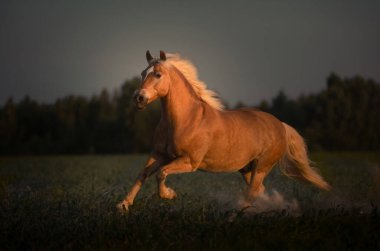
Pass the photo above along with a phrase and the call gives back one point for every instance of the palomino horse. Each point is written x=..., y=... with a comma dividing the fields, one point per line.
x=195, y=132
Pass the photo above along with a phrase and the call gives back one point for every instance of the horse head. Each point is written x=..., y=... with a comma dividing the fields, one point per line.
x=155, y=81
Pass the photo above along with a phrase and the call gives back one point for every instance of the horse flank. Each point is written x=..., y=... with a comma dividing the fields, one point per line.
x=190, y=72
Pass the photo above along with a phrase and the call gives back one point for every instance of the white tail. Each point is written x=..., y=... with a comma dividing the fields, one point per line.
x=296, y=163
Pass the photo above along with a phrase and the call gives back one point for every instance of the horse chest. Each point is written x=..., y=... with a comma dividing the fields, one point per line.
x=175, y=145
x=170, y=149
x=177, y=139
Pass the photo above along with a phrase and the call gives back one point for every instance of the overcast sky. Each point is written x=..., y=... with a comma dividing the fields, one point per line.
x=245, y=50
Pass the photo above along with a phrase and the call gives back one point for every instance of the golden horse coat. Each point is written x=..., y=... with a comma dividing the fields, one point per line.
x=196, y=133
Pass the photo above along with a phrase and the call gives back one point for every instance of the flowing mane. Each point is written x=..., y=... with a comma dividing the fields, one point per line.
x=190, y=73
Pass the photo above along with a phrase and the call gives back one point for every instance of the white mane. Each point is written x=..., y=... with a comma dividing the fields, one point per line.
x=190, y=73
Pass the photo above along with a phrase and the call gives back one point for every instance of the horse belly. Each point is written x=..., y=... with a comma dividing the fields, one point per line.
x=232, y=159
x=220, y=166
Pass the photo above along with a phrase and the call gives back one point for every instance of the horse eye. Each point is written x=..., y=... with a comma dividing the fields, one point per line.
x=157, y=74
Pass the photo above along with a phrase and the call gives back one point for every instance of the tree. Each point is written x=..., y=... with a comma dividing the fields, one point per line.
x=343, y=116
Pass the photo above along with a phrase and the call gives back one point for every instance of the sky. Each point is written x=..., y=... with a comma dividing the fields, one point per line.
x=245, y=50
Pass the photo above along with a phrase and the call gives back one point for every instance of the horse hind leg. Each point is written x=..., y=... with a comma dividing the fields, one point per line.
x=258, y=174
x=247, y=172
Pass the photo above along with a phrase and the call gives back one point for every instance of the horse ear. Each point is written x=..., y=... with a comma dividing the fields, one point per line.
x=162, y=55
x=148, y=56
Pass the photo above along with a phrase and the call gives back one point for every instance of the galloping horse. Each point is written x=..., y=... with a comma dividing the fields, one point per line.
x=195, y=132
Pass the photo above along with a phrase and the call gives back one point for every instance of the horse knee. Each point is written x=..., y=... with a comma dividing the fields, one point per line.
x=161, y=175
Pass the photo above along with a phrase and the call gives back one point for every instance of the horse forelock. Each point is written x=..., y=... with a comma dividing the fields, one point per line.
x=189, y=71
x=149, y=68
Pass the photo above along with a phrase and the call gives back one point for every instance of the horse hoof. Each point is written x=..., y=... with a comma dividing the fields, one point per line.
x=168, y=193
x=173, y=194
x=122, y=207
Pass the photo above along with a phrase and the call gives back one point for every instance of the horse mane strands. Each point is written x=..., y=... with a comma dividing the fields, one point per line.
x=190, y=73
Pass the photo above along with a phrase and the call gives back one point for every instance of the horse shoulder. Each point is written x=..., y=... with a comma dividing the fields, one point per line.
x=194, y=140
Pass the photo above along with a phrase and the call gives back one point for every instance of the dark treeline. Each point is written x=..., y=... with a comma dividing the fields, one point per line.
x=344, y=116
x=74, y=124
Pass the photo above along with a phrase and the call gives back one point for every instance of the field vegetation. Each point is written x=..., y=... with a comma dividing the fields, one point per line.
x=68, y=202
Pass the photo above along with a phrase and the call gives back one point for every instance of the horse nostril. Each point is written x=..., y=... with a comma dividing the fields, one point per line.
x=140, y=98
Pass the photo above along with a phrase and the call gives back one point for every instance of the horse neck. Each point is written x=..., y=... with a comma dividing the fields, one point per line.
x=181, y=107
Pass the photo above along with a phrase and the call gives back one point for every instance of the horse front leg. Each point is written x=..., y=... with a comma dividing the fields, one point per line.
x=179, y=165
x=152, y=165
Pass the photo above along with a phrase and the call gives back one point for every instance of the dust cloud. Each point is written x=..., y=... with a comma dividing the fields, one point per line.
x=270, y=202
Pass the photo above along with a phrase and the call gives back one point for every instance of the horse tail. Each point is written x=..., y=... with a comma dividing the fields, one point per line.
x=296, y=164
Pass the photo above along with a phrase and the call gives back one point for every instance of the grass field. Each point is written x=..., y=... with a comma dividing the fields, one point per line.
x=68, y=202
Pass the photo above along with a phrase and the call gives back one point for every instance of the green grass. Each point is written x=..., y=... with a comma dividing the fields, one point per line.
x=68, y=202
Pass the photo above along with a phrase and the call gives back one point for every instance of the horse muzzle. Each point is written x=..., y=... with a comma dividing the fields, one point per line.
x=141, y=99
